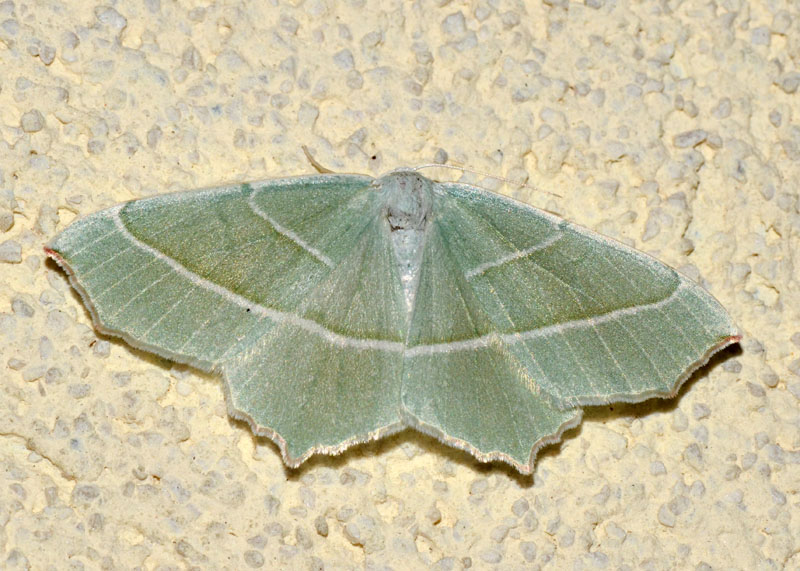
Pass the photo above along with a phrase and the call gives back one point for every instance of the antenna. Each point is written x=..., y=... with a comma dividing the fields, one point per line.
x=314, y=163
x=517, y=183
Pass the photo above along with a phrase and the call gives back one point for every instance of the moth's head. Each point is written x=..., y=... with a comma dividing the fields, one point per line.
x=409, y=198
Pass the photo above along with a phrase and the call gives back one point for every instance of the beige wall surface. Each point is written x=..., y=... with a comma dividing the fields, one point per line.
x=671, y=126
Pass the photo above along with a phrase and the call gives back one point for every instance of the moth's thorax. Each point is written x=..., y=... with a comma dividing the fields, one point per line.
x=409, y=198
x=408, y=207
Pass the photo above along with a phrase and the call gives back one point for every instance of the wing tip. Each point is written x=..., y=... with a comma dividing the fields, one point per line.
x=54, y=255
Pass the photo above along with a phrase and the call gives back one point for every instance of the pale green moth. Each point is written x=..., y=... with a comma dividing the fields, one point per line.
x=342, y=308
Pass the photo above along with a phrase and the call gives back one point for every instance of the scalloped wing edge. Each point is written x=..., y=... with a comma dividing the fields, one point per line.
x=407, y=420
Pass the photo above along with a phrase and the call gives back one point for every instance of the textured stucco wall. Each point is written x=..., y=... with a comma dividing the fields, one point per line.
x=671, y=126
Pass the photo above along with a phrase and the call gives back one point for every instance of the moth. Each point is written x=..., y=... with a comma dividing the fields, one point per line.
x=341, y=308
